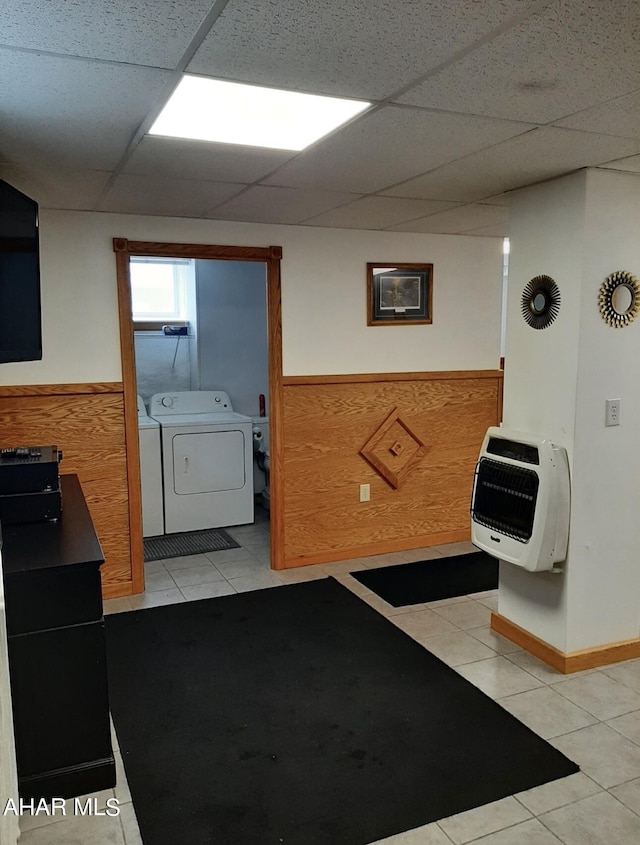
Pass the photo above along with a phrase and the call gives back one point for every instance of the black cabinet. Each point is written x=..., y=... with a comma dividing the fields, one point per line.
x=57, y=660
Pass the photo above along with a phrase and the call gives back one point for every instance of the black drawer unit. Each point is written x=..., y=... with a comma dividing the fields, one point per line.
x=57, y=658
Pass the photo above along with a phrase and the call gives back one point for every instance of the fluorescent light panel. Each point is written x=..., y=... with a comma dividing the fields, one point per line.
x=206, y=109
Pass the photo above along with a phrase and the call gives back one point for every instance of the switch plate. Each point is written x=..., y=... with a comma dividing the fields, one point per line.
x=365, y=492
x=612, y=407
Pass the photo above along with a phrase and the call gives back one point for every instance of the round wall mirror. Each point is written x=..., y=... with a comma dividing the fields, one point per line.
x=540, y=302
x=619, y=299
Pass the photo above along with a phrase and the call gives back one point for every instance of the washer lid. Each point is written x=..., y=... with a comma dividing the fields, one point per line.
x=145, y=422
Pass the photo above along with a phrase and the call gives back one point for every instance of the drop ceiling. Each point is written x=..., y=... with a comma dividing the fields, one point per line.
x=471, y=99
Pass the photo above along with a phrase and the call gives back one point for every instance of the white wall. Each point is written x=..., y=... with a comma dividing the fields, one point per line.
x=605, y=588
x=232, y=331
x=323, y=296
x=578, y=230
x=162, y=363
x=546, y=236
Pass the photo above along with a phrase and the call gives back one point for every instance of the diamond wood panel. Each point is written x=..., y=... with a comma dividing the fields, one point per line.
x=394, y=449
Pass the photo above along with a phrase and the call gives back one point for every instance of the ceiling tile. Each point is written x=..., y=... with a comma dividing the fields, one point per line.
x=267, y=204
x=143, y=32
x=390, y=145
x=534, y=157
x=377, y=212
x=457, y=220
x=354, y=49
x=66, y=121
x=133, y=194
x=630, y=164
x=57, y=188
x=498, y=199
x=617, y=117
x=500, y=230
x=71, y=112
x=569, y=56
x=203, y=160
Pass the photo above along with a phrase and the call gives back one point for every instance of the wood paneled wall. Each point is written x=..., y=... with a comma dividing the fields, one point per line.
x=86, y=422
x=327, y=420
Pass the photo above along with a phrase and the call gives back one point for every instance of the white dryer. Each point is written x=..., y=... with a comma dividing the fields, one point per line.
x=207, y=460
x=150, y=473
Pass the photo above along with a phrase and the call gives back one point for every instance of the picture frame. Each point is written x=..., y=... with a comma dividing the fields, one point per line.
x=399, y=294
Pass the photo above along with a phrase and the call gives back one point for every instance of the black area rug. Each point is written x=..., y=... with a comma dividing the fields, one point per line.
x=299, y=715
x=187, y=543
x=431, y=580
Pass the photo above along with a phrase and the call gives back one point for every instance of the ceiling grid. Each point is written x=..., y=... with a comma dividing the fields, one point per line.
x=471, y=99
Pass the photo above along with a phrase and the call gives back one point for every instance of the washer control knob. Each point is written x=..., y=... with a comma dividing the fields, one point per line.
x=217, y=399
x=167, y=401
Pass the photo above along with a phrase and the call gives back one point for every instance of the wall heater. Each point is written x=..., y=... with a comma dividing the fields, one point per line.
x=520, y=500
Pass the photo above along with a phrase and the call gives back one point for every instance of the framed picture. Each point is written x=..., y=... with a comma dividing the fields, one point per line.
x=399, y=294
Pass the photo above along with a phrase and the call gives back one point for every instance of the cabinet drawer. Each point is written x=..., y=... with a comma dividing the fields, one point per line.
x=52, y=598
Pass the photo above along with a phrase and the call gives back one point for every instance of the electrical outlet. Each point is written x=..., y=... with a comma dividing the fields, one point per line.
x=612, y=407
x=365, y=492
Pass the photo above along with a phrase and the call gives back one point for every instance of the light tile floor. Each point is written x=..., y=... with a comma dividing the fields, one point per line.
x=593, y=717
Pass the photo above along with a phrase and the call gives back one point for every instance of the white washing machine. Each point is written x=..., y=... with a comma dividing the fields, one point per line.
x=207, y=460
x=150, y=473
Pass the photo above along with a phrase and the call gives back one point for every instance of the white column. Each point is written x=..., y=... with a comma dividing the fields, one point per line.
x=579, y=229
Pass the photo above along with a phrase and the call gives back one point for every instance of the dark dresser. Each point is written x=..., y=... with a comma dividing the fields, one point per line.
x=56, y=649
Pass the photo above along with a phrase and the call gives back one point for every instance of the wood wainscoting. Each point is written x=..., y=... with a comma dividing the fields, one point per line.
x=326, y=422
x=86, y=422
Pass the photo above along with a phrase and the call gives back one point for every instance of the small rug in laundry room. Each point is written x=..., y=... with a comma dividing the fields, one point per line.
x=300, y=715
x=432, y=580
x=187, y=543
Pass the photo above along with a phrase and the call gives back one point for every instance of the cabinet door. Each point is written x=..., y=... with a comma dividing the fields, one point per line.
x=60, y=703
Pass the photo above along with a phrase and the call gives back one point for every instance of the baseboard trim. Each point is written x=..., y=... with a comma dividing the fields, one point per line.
x=119, y=590
x=383, y=547
x=565, y=662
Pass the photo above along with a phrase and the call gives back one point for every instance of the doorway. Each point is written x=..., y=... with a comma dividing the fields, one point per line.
x=270, y=257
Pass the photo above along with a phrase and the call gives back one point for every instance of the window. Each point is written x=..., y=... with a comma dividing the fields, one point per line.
x=158, y=288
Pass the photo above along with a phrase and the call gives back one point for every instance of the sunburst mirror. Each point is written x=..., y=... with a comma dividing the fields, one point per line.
x=619, y=299
x=540, y=302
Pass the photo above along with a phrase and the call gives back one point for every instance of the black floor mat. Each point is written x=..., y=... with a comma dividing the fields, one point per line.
x=299, y=715
x=187, y=543
x=431, y=580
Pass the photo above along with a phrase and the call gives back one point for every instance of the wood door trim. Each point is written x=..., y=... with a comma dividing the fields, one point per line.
x=270, y=256
x=276, y=437
x=201, y=251
x=131, y=433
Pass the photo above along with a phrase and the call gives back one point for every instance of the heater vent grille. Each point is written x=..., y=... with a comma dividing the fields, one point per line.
x=505, y=498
